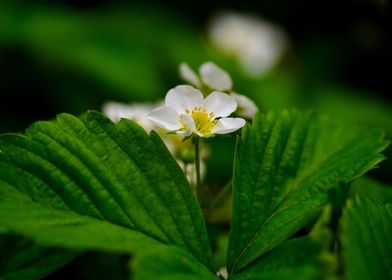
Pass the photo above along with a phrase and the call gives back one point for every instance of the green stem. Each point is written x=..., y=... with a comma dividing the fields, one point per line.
x=197, y=168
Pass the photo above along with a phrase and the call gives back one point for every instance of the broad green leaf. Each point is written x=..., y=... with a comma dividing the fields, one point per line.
x=22, y=259
x=62, y=228
x=284, y=165
x=366, y=231
x=294, y=259
x=168, y=264
x=91, y=168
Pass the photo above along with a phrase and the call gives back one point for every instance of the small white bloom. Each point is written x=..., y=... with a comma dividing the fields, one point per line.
x=256, y=43
x=246, y=107
x=183, y=151
x=137, y=112
x=186, y=112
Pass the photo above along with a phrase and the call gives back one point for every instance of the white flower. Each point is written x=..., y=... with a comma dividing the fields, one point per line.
x=137, y=112
x=256, y=43
x=218, y=79
x=186, y=112
x=182, y=151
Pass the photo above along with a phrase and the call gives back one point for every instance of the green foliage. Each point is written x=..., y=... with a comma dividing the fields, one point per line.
x=284, y=166
x=372, y=189
x=77, y=177
x=22, y=259
x=88, y=184
x=76, y=184
x=294, y=259
x=366, y=231
x=169, y=264
x=62, y=228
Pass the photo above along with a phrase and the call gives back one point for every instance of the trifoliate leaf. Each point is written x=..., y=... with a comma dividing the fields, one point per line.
x=284, y=165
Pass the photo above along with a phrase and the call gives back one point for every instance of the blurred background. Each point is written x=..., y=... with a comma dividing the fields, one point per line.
x=69, y=56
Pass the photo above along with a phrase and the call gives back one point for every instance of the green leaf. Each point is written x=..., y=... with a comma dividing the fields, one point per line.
x=324, y=232
x=97, y=175
x=169, y=264
x=366, y=231
x=294, y=259
x=284, y=165
x=63, y=228
x=22, y=259
x=372, y=189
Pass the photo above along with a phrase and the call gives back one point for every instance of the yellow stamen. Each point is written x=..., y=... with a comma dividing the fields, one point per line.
x=204, y=121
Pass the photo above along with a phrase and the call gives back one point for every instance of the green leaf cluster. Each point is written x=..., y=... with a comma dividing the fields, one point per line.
x=76, y=184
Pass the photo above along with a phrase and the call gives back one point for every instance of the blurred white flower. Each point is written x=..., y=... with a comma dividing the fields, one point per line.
x=216, y=78
x=137, y=112
x=190, y=171
x=186, y=112
x=256, y=43
x=223, y=272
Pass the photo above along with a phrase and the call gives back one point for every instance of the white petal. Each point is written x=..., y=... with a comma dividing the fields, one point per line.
x=246, y=107
x=165, y=117
x=219, y=103
x=215, y=77
x=227, y=125
x=189, y=123
x=137, y=112
x=183, y=97
x=188, y=75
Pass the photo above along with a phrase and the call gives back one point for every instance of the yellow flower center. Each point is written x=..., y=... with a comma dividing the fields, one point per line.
x=204, y=121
